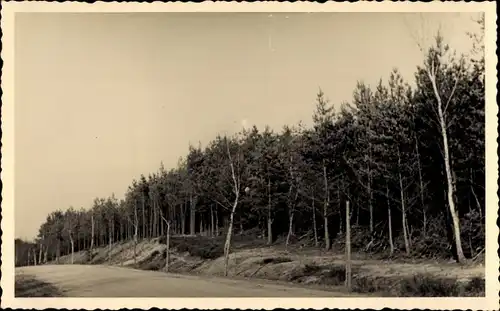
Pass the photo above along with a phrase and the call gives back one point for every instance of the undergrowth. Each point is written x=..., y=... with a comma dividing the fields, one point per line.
x=425, y=285
x=202, y=247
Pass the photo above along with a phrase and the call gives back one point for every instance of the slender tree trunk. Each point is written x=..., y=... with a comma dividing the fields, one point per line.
x=291, y=212
x=127, y=230
x=40, y=255
x=421, y=188
x=167, y=255
x=340, y=209
x=357, y=214
x=348, y=274
x=479, y=208
x=157, y=220
x=370, y=200
x=93, y=236
x=471, y=248
x=192, y=217
x=269, y=215
x=403, y=208
x=121, y=231
x=291, y=206
x=162, y=228
x=325, y=208
x=227, y=244
x=269, y=230
x=112, y=231
x=216, y=221
x=175, y=224
x=315, y=227
x=150, y=224
x=41, y=251
x=409, y=229
x=389, y=219
x=448, y=168
x=236, y=189
x=72, y=248
x=290, y=229
x=58, y=253
x=212, y=228
x=110, y=242
x=327, y=235
x=143, y=218
x=370, y=192
x=136, y=227
x=263, y=229
x=183, y=219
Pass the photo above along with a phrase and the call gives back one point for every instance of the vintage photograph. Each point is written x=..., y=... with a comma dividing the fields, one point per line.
x=299, y=154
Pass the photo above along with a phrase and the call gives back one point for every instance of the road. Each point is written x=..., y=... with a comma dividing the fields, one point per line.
x=109, y=281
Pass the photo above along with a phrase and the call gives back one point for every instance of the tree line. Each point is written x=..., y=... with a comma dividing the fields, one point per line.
x=410, y=160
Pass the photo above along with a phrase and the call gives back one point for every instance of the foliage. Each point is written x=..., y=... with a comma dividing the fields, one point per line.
x=422, y=285
x=204, y=248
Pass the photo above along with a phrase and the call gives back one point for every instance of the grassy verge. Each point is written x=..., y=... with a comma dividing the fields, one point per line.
x=27, y=286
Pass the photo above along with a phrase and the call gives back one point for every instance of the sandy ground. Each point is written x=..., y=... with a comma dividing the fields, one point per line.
x=108, y=281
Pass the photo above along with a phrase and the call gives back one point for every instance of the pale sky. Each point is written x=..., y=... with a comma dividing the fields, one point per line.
x=102, y=98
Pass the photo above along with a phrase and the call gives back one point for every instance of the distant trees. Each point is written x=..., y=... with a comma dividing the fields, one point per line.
x=410, y=161
x=23, y=252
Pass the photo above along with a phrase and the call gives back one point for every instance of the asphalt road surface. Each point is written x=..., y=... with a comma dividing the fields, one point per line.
x=109, y=281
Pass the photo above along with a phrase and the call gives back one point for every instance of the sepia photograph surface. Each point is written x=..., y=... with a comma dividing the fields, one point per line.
x=302, y=153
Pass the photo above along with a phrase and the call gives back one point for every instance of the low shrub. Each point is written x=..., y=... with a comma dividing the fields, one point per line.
x=335, y=275
x=472, y=233
x=196, y=246
x=327, y=275
x=363, y=284
x=275, y=260
x=311, y=269
x=183, y=247
x=475, y=287
x=155, y=265
x=422, y=285
x=207, y=252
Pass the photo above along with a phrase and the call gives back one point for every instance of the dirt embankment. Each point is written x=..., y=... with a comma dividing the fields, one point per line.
x=308, y=268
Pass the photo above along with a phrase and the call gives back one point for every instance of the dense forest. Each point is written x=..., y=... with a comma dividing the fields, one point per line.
x=410, y=161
